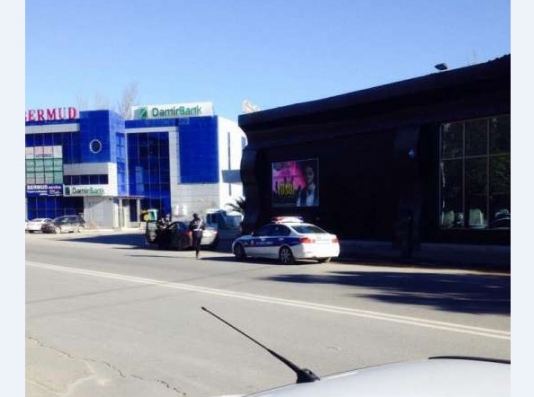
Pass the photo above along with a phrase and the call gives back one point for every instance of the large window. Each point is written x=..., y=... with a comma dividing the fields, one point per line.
x=475, y=174
x=149, y=169
x=44, y=165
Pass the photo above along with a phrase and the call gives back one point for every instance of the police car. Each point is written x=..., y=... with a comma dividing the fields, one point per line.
x=289, y=239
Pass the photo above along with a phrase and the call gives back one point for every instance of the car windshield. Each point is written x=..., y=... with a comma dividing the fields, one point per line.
x=38, y=220
x=308, y=229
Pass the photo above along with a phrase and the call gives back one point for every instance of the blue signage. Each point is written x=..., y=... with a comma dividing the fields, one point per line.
x=44, y=190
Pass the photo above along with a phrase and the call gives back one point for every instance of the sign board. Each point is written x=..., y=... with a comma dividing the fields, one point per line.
x=172, y=111
x=88, y=190
x=44, y=190
x=53, y=114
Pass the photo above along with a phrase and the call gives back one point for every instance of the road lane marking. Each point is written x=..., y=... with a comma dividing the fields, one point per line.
x=453, y=327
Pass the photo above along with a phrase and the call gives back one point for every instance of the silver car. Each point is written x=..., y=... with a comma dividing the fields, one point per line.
x=36, y=224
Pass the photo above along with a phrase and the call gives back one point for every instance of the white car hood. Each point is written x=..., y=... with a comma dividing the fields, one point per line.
x=422, y=378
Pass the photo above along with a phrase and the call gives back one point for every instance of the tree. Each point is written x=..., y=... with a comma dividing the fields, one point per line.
x=240, y=205
x=123, y=107
x=129, y=97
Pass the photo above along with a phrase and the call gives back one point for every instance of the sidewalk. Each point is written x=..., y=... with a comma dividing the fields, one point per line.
x=454, y=256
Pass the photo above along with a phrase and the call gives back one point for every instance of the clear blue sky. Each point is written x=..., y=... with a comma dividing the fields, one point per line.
x=272, y=52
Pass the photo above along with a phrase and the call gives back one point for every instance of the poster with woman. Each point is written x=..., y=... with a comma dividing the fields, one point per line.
x=295, y=183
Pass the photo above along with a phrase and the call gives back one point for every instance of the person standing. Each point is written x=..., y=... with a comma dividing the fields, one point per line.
x=196, y=226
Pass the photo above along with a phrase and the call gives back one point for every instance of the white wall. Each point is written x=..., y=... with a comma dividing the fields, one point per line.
x=196, y=197
x=226, y=126
x=99, y=212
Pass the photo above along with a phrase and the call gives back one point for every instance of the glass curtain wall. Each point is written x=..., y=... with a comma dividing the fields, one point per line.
x=475, y=174
x=45, y=155
x=149, y=170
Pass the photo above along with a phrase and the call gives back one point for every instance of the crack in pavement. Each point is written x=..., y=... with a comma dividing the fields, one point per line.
x=81, y=371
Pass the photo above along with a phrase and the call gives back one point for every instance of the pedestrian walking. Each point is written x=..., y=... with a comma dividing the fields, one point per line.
x=196, y=226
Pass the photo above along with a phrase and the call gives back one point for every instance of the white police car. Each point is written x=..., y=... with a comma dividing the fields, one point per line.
x=289, y=239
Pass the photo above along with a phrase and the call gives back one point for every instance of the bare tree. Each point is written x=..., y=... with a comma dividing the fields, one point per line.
x=124, y=106
x=129, y=97
x=82, y=103
x=100, y=102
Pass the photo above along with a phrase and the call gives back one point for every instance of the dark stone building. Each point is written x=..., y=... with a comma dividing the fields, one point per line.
x=420, y=160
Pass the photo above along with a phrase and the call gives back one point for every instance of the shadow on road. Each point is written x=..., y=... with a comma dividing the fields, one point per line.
x=463, y=293
x=131, y=239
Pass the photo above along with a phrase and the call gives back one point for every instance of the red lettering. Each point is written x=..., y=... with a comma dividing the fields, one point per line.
x=51, y=114
x=73, y=113
x=31, y=114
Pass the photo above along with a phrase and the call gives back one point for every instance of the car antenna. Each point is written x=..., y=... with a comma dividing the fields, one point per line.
x=304, y=375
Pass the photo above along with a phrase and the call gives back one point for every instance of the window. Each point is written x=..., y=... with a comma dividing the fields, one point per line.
x=148, y=169
x=475, y=174
x=280, y=231
x=264, y=230
x=95, y=146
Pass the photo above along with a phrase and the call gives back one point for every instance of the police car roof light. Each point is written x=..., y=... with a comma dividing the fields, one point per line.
x=288, y=219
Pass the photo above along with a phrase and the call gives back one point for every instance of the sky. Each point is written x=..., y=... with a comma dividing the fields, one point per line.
x=271, y=52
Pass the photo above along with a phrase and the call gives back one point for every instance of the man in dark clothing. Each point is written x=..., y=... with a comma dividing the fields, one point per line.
x=196, y=226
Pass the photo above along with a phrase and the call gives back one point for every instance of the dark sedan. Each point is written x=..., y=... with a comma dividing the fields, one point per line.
x=177, y=236
x=65, y=224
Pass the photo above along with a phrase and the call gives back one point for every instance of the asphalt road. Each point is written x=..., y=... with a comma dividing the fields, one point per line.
x=107, y=315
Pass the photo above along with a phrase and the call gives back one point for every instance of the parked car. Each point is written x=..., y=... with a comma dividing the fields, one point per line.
x=288, y=239
x=177, y=236
x=65, y=224
x=36, y=224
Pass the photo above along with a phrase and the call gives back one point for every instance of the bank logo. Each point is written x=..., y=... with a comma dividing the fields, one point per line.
x=143, y=113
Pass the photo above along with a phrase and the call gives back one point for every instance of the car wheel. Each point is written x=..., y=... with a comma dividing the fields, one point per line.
x=324, y=260
x=239, y=252
x=57, y=230
x=286, y=256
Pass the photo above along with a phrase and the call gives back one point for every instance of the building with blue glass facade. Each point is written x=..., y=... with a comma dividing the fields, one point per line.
x=178, y=159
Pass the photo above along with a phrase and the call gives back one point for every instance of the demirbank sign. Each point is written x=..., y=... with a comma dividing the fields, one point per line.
x=172, y=111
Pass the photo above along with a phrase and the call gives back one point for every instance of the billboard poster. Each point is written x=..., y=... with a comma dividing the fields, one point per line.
x=295, y=183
